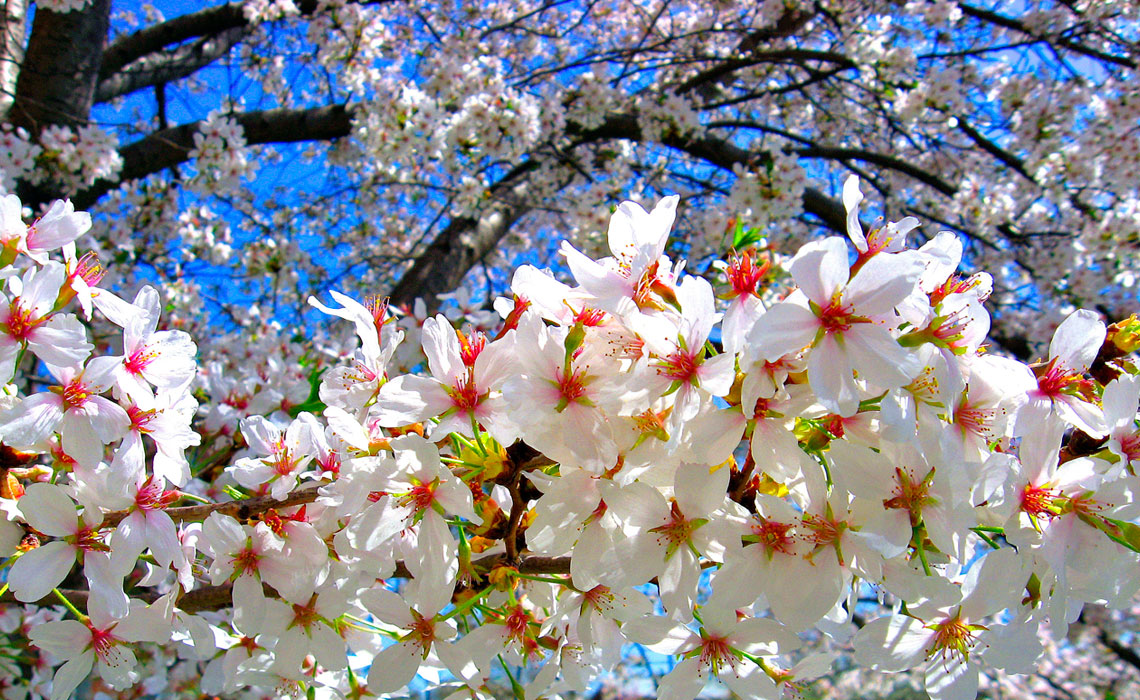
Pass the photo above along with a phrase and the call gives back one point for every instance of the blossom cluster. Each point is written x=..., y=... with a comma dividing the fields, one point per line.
x=717, y=467
x=77, y=157
x=220, y=154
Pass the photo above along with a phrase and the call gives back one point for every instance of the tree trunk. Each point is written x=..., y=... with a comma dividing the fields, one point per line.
x=61, y=68
x=13, y=26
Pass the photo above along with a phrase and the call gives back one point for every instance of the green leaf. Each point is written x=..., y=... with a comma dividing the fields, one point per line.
x=1128, y=534
x=743, y=238
x=313, y=403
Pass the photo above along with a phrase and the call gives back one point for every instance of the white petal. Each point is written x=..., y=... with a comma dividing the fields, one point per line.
x=892, y=644
x=64, y=638
x=787, y=327
x=32, y=420
x=70, y=675
x=831, y=377
x=821, y=269
x=949, y=679
x=1077, y=340
x=37, y=572
x=48, y=509
x=851, y=198
x=393, y=668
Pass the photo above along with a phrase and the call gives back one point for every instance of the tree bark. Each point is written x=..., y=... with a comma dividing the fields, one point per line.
x=168, y=66
x=465, y=241
x=13, y=27
x=61, y=68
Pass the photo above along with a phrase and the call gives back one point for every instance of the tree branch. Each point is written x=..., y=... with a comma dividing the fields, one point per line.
x=218, y=597
x=723, y=154
x=1125, y=653
x=883, y=161
x=156, y=69
x=169, y=147
x=729, y=66
x=206, y=23
x=1017, y=26
x=1011, y=161
x=466, y=240
x=241, y=510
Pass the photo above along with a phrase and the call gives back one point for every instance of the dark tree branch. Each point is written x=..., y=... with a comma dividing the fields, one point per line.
x=792, y=21
x=169, y=147
x=1010, y=160
x=724, y=155
x=176, y=64
x=466, y=240
x=725, y=68
x=241, y=510
x=219, y=597
x=882, y=160
x=1123, y=652
x=1059, y=39
x=204, y=23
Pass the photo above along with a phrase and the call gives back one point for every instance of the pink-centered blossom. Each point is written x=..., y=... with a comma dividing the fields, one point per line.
x=466, y=372
x=844, y=322
x=48, y=510
x=28, y=321
x=85, y=420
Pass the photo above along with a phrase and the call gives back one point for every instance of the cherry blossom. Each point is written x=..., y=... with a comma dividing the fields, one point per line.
x=329, y=510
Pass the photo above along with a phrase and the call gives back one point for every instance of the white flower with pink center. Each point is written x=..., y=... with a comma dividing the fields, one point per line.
x=147, y=527
x=946, y=641
x=567, y=389
x=60, y=225
x=720, y=649
x=667, y=538
x=638, y=276
x=100, y=641
x=844, y=322
x=419, y=628
x=1121, y=397
x=280, y=455
x=466, y=373
x=163, y=359
x=28, y=321
x=48, y=510
x=84, y=420
x=681, y=365
x=1063, y=394
x=166, y=420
